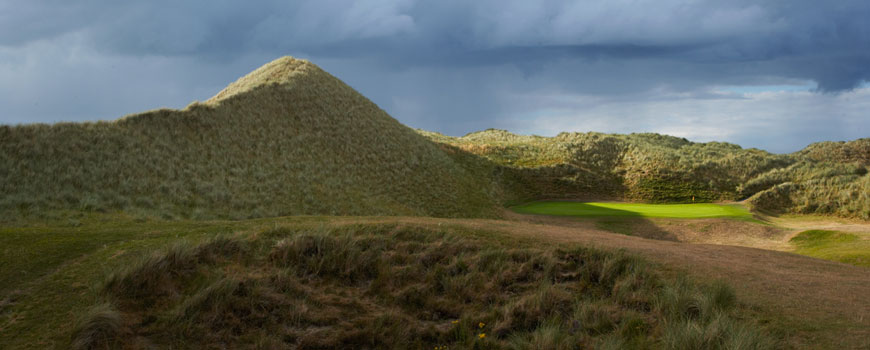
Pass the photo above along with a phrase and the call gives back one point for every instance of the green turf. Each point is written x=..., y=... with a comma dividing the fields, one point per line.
x=833, y=245
x=594, y=209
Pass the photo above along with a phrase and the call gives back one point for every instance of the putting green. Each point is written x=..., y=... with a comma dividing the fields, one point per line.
x=594, y=209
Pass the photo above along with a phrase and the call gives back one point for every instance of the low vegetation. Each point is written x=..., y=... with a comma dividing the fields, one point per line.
x=70, y=280
x=388, y=286
x=833, y=245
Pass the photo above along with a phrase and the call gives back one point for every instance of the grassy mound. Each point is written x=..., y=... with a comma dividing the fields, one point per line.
x=648, y=167
x=287, y=139
x=824, y=178
x=404, y=287
x=594, y=209
x=840, y=152
x=829, y=189
x=833, y=245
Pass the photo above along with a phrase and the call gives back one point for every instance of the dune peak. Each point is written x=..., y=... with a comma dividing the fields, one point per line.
x=280, y=71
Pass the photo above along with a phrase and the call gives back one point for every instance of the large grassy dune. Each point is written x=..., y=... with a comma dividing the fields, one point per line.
x=288, y=139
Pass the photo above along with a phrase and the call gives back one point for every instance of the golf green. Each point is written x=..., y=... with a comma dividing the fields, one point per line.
x=595, y=209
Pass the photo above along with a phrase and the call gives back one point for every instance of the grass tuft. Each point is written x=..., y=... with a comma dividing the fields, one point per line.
x=406, y=287
x=99, y=328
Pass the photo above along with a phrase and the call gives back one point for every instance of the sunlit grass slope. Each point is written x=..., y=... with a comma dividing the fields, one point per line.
x=813, y=188
x=596, y=209
x=287, y=139
x=833, y=245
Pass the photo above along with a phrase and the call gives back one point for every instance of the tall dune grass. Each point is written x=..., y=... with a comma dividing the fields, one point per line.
x=407, y=287
x=287, y=139
x=290, y=139
x=825, y=178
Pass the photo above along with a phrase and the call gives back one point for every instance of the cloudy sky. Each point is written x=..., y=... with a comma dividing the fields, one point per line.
x=775, y=74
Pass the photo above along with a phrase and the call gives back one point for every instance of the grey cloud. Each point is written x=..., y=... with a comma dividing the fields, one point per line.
x=452, y=66
x=826, y=43
x=24, y=21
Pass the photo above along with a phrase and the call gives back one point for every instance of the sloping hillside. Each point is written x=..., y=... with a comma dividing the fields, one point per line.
x=287, y=139
x=830, y=178
x=824, y=178
x=648, y=167
x=842, y=152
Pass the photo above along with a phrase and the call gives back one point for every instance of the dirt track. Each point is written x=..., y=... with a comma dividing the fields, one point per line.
x=830, y=295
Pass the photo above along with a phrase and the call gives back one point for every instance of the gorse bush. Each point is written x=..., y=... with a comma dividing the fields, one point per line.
x=405, y=287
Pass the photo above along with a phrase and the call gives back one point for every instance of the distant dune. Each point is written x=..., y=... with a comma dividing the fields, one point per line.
x=825, y=178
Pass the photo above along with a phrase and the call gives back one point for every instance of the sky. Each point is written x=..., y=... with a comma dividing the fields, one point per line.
x=776, y=74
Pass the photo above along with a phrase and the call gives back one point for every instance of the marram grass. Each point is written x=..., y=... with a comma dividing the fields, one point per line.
x=288, y=139
x=824, y=178
x=406, y=287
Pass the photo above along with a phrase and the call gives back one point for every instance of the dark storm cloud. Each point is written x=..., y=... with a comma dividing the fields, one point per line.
x=828, y=43
x=452, y=32
x=452, y=66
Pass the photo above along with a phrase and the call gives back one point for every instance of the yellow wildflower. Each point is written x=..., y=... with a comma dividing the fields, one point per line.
x=481, y=335
x=480, y=325
x=454, y=322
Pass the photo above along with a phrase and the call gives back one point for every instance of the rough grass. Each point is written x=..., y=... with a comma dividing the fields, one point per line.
x=406, y=287
x=816, y=186
x=647, y=167
x=833, y=245
x=291, y=139
x=596, y=209
x=288, y=139
x=57, y=271
x=99, y=328
x=825, y=178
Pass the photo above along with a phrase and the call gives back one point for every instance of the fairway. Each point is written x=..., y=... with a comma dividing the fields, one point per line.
x=595, y=209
